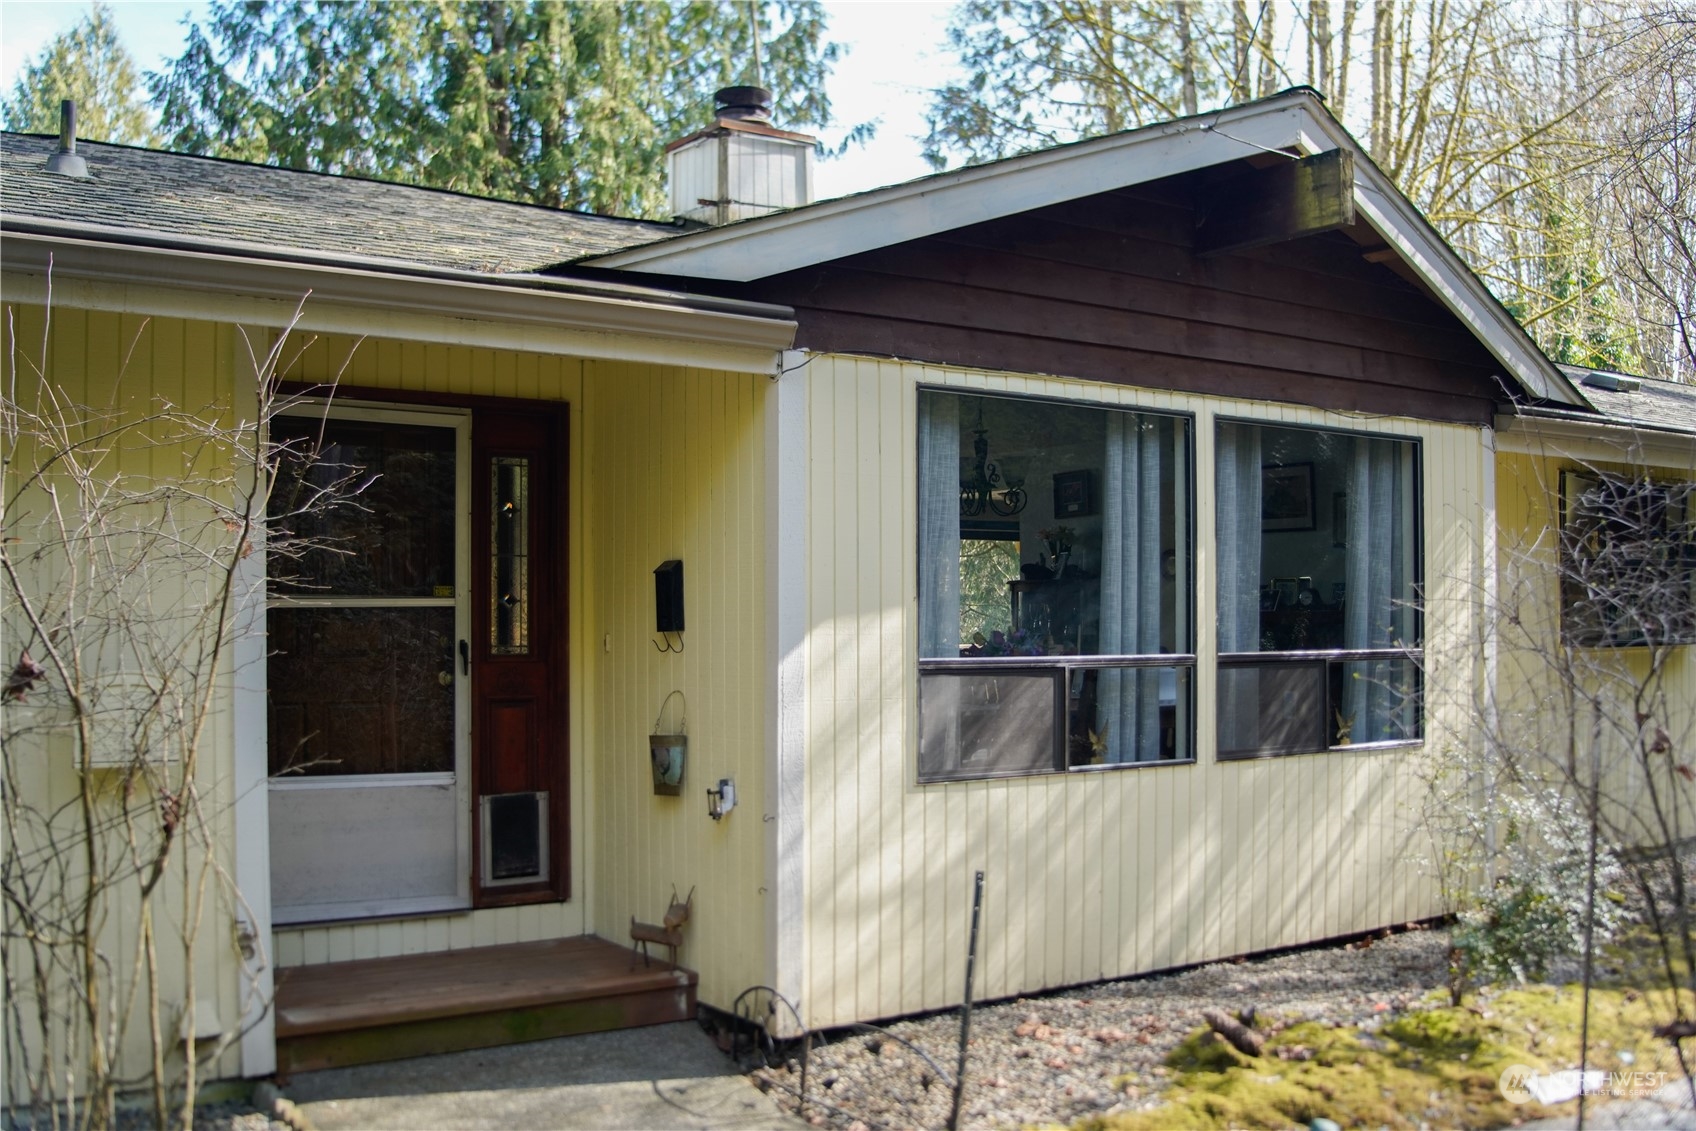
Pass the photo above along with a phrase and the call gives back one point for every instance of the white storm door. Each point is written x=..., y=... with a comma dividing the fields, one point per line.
x=369, y=703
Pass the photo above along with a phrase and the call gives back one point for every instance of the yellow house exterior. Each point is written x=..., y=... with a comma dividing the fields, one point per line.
x=1087, y=875
x=665, y=461
x=759, y=402
x=1586, y=705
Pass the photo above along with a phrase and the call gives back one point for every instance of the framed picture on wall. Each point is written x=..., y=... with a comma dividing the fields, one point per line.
x=1286, y=497
x=1074, y=494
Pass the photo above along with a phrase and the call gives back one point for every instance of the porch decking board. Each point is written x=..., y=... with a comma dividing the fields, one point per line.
x=386, y=1008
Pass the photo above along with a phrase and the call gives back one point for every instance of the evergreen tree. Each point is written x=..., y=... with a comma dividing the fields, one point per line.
x=89, y=65
x=567, y=105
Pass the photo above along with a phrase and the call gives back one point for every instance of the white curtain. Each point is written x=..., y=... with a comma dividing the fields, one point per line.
x=1375, y=614
x=939, y=525
x=1239, y=496
x=1128, y=700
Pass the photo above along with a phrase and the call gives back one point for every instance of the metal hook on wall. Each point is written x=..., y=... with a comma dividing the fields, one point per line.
x=667, y=646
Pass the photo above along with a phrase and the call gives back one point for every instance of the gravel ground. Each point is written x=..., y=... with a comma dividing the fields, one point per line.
x=230, y=1115
x=1054, y=1058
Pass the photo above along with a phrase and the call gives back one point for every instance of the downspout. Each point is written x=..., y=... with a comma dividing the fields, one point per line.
x=1492, y=645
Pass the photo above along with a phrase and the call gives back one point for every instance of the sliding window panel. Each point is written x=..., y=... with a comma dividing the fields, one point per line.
x=1120, y=716
x=999, y=724
x=1273, y=708
x=1381, y=701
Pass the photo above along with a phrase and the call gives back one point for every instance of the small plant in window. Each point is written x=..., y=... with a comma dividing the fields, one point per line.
x=1016, y=643
x=1058, y=538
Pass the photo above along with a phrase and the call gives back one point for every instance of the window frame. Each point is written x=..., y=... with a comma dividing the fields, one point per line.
x=1327, y=657
x=1067, y=666
x=1684, y=556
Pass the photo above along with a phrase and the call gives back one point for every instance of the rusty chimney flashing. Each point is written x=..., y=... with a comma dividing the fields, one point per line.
x=66, y=162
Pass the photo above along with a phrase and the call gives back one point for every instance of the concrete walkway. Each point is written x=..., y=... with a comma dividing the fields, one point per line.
x=661, y=1077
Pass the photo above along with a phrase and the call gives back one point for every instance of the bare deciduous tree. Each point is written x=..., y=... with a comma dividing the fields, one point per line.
x=131, y=526
x=1568, y=787
x=1551, y=144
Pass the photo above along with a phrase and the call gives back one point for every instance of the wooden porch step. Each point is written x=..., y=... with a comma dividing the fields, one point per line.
x=374, y=1009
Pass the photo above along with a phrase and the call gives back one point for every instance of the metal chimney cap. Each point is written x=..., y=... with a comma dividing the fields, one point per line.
x=66, y=162
x=743, y=102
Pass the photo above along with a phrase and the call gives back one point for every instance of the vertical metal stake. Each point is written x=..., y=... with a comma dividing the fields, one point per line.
x=966, y=1006
x=806, y=1055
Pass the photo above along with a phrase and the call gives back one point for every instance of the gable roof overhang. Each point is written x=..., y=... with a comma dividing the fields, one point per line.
x=1561, y=434
x=1294, y=123
x=98, y=267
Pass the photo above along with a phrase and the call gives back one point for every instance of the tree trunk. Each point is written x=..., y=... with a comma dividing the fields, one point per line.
x=1268, y=41
x=1340, y=97
x=1186, y=54
x=1319, y=32
x=1242, y=46
x=1383, y=27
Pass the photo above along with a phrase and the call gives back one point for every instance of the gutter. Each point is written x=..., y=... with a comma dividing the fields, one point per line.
x=104, y=234
x=1527, y=428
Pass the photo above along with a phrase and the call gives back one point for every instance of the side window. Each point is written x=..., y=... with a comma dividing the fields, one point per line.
x=1054, y=587
x=1319, y=630
x=1628, y=561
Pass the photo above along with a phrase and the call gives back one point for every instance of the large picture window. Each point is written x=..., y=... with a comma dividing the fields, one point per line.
x=1319, y=630
x=1054, y=587
x=1628, y=561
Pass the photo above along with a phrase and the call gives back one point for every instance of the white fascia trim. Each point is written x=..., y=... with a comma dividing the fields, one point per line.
x=171, y=282
x=786, y=681
x=1596, y=442
x=832, y=229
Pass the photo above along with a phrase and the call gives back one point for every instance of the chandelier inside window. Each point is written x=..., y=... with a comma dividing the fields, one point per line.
x=986, y=485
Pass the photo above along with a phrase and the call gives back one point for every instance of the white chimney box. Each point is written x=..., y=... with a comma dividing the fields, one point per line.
x=740, y=166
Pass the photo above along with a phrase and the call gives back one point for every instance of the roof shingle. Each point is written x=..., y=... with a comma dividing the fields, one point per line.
x=178, y=195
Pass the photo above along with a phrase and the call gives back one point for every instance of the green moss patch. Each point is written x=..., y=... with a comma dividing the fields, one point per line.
x=1438, y=1066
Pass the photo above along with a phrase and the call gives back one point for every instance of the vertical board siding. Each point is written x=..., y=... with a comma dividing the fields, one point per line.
x=675, y=468
x=133, y=367
x=1090, y=875
x=1536, y=668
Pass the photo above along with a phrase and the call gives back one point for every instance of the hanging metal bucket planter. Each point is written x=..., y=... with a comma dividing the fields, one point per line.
x=666, y=752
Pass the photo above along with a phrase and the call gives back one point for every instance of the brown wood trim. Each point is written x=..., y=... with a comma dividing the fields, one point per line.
x=920, y=302
x=837, y=332
x=1013, y=273
x=1278, y=203
x=550, y=553
x=1326, y=281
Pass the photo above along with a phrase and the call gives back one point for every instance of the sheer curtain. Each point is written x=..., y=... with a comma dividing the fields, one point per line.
x=1239, y=582
x=1375, y=614
x=1128, y=700
x=939, y=525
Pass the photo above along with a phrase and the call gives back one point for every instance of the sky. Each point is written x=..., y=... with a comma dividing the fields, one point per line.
x=895, y=50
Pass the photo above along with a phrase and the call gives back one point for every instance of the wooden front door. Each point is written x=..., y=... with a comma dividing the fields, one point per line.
x=517, y=656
